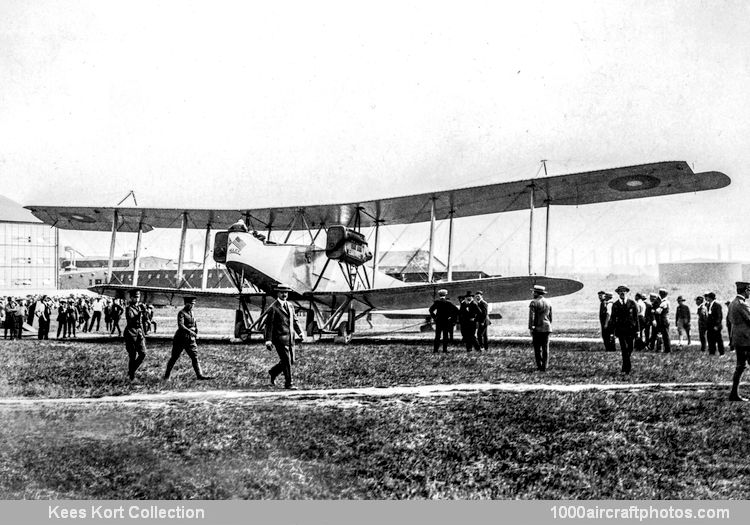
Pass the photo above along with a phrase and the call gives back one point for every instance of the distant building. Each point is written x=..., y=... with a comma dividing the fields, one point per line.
x=411, y=266
x=28, y=251
x=699, y=271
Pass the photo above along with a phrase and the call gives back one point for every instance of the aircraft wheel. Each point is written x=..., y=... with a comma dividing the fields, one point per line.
x=344, y=335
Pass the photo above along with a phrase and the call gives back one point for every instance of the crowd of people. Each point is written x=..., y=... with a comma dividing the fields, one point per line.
x=74, y=315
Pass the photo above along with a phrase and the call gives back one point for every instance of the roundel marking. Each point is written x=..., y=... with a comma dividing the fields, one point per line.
x=634, y=183
x=78, y=217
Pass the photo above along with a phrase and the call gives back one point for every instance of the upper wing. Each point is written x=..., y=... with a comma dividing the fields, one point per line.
x=633, y=182
x=495, y=289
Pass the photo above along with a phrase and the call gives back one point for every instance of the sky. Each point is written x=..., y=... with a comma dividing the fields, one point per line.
x=256, y=104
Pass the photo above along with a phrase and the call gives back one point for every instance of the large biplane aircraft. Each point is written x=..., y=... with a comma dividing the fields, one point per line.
x=339, y=282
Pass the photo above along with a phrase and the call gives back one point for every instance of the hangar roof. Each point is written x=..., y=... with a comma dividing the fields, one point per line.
x=11, y=211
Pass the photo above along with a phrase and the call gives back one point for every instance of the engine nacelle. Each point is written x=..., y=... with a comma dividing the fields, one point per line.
x=346, y=245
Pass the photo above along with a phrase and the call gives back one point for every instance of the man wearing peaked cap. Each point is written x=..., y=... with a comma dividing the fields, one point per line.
x=540, y=326
x=714, y=317
x=443, y=314
x=135, y=340
x=186, y=339
x=624, y=325
x=738, y=318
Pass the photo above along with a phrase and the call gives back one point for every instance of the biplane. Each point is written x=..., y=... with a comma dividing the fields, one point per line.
x=334, y=273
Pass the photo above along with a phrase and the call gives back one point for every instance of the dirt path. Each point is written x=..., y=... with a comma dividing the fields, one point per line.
x=347, y=394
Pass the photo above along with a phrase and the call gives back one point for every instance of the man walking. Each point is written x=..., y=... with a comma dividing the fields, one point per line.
x=624, y=324
x=738, y=316
x=281, y=327
x=540, y=326
x=186, y=338
x=443, y=314
x=135, y=340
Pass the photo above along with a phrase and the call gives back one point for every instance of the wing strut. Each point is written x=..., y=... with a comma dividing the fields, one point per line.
x=532, y=189
x=450, y=243
x=432, y=240
x=110, y=263
x=182, y=249
x=375, y=252
x=546, y=228
x=206, y=247
x=137, y=256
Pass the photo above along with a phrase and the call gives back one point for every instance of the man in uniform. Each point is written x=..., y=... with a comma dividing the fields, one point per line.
x=135, y=340
x=186, y=338
x=443, y=314
x=738, y=316
x=281, y=327
x=604, y=311
x=483, y=320
x=540, y=326
x=715, y=315
x=624, y=325
x=702, y=315
x=467, y=318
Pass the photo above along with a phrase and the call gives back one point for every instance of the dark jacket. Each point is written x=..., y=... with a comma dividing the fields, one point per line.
x=443, y=312
x=280, y=322
x=467, y=313
x=624, y=321
x=715, y=316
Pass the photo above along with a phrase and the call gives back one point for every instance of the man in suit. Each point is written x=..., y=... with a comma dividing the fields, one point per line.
x=443, y=314
x=43, y=311
x=186, y=339
x=483, y=320
x=281, y=327
x=467, y=318
x=135, y=340
x=738, y=316
x=661, y=319
x=540, y=326
x=624, y=325
x=715, y=315
x=604, y=311
x=702, y=315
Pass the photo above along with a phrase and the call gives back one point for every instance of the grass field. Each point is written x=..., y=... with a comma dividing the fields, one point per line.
x=538, y=444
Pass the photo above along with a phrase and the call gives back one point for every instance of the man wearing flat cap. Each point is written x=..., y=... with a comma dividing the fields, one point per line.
x=443, y=314
x=738, y=317
x=467, y=319
x=715, y=315
x=624, y=324
x=281, y=328
x=135, y=340
x=186, y=339
x=540, y=326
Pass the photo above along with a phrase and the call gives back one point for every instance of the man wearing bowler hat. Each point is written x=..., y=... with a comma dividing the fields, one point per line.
x=186, y=339
x=715, y=314
x=624, y=324
x=281, y=327
x=540, y=326
x=738, y=317
x=135, y=340
x=443, y=314
x=467, y=318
